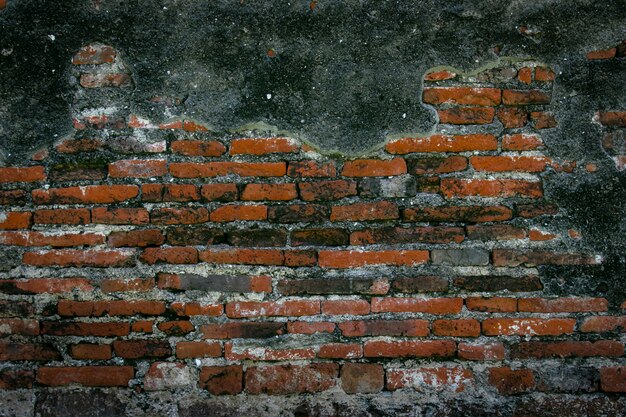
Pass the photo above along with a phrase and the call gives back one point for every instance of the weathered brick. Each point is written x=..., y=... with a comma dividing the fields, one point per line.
x=457, y=328
x=155, y=193
x=176, y=255
x=62, y=216
x=188, y=350
x=406, y=328
x=472, y=214
x=353, y=258
x=10, y=351
x=613, y=379
x=94, y=54
x=462, y=95
x=72, y=308
x=528, y=326
x=243, y=256
x=101, y=80
x=521, y=142
x=168, y=376
x=421, y=283
x=292, y=308
x=257, y=237
x=13, y=197
x=374, y=168
x=15, y=220
x=271, y=192
x=309, y=213
x=455, y=187
x=394, y=235
x=362, y=378
x=220, y=283
x=94, y=258
x=56, y=240
x=443, y=143
x=506, y=257
x=23, y=327
x=217, y=169
x=466, y=115
x=138, y=168
x=222, y=380
x=508, y=381
x=243, y=330
x=453, y=379
x=509, y=163
x=492, y=305
x=233, y=352
x=44, y=285
x=343, y=285
x=91, y=351
x=192, y=236
x=543, y=120
x=327, y=190
x=136, y=238
x=310, y=169
x=603, y=324
x=566, y=349
x=231, y=213
x=384, y=210
x=481, y=352
x=417, y=305
x=136, y=349
x=94, y=376
x=106, y=215
x=319, y=237
x=91, y=194
x=495, y=232
x=176, y=327
x=494, y=283
x=22, y=174
x=187, y=215
x=219, y=192
x=395, y=187
x=459, y=257
x=77, y=328
x=11, y=379
x=525, y=97
x=512, y=117
x=347, y=307
x=562, y=305
x=409, y=349
x=305, y=327
x=196, y=309
x=291, y=379
x=340, y=351
x=437, y=164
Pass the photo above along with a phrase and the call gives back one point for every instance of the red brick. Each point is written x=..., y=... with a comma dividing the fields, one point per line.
x=362, y=378
x=197, y=309
x=506, y=257
x=409, y=349
x=137, y=168
x=374, y=168
x=28, y=352
x=291, y=379
x=305, y=327
x=185, y=215
x=340, y=351
x=188, y=350
x=508, y=381
x=462, y=95
x=219, y=192
x=176, y=327
x=608, y=118
x=198, y=148
x=472, y=214
x=341, y=307
x=544, y=74
x=242, y=330
x=243, y=256
x=15, y=220
x=91, y=351
x=62, y=216
x=191, y=126
x=454, y=187
x=536, y=235
x=99, y=329
x=525, y=75
x=81, y=258
x=178, y=255
x=93, y=376
x=216, y=169
x=263, y=146
x=443, y=143
x=25, y=174
x=70, y=308
x=298, y=213
x=481, y=352
x=142, y=326
x=272, y=192
x=136, y=349
x=603, y=324
x=613, y=379
x=509, y=163
x=528, y=326
x=105, y=215
x=521, y=142
x=562, y=305
x=91, y=194
x=311, y=169
x=105, y=80
x=327, y=190
x=233, y=213
x=417, y=305
x=353, y=258
x=19, y=326
x=392, y=235
x=136, y=238
x=601, y=54
x=525, y=97
x=127, y=285
x=457, y=328
x=291, y=308
x=317, y=237
x=30, y=238
x=512, y=117
x=566, y=349
x=382, y=210
x=453, y=379
x=492, y=305
x=408, y=328
x=534, y=210
x=94, y=54
x=45, y=285
x=466, y=115
x=169, y=192
x=222, y=380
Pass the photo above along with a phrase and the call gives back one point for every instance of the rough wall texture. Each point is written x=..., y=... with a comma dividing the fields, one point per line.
x=155, y=265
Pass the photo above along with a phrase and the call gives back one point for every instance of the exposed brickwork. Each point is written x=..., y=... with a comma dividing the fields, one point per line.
x=212, y=263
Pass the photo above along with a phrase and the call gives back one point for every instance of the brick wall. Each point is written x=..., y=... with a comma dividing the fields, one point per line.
x=144, y=258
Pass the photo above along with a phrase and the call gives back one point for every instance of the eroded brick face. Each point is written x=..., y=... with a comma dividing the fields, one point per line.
x=255, y=265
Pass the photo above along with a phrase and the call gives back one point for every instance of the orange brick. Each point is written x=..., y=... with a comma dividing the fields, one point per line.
x=352, y=258
x=374, y=168
x=263, y=146
x=443, y=143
